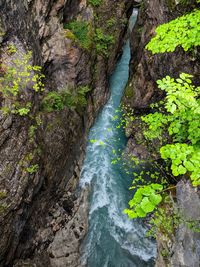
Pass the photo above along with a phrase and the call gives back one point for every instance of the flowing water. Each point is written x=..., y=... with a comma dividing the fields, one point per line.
x=112, y=240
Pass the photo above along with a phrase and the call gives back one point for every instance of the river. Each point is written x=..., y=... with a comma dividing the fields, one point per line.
x=112, y=240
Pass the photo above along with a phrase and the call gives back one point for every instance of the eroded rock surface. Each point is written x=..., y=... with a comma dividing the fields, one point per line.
x=141, y=91
x=187, y=242
x=64, y=231
x=59, y=142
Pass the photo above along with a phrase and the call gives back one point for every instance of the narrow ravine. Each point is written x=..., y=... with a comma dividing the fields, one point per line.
x=112, y=240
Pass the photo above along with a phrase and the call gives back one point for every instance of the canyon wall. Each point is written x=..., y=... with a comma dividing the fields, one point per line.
x=145, y=69
x=42, y=221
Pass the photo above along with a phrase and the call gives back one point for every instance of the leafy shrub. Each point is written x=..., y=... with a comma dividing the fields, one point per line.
x=17, y=77
x=65, y=98
x=11, y=49
x=95, y=3
x=111, y=22
x=80, y=32
x=53, y=101
x=144, y=201
x=103, y=41
x=181, y=120
x=179, y=116
x=183, y=31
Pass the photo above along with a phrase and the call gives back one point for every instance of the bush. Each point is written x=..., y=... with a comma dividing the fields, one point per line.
x=17, y=77
x=66, y=98
x=103, y=42
x=95, y=3
x=183, y=31
x=80, y=32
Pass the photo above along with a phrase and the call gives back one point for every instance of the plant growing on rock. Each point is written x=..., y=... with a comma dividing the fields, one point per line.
x=179, y=116
x=95, y=3
x=19, y=76
x=80, y=32
x=103, y=41
x=71, y=98
x=179, y=113
x=183, y=31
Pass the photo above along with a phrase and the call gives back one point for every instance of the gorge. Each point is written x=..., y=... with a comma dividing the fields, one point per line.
x=62, y=188
x=112, y=240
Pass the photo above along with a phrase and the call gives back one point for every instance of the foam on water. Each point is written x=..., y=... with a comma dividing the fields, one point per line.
x=112, y=240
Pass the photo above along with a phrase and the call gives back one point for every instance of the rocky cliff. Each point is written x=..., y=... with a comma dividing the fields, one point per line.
x=145, y=68
x=42, y=221
x=183, y=248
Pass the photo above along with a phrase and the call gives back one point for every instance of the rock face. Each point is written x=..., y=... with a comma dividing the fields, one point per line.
x=141, y=91
x=145, y=68
x=187, y=243
x=184, y=247
x=57, y=147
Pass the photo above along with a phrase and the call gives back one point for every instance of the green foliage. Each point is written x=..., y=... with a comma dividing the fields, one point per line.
x=184, y=158
x=178, y=119
x=32, y=130
x=95, y=3
x=19, y=76
x=144, y=201
x=111, y=22
x=193, y=225
x=165, y=220
x=53, y=101
x=103, y=42
x=183, y=31
x=33, y=168
x=156, y=122
x=22, y=111
x=11, y=49
x=185, y=2
x=181, y=120
x=80, y=31
x=66, y=98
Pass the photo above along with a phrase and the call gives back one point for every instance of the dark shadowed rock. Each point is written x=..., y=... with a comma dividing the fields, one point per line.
x=68, y=205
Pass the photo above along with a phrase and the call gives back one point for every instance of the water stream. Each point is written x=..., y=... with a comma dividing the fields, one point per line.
x=112, y=240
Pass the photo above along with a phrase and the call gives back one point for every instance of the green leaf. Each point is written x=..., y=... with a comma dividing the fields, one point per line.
x=181, y=169
x=146, y=205
x=155, y=199
x=157, y=186
x=189, y=165
x=131, y=214
x=140, y=212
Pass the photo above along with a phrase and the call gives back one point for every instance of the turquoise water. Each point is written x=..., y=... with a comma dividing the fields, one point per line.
x=112, y=240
